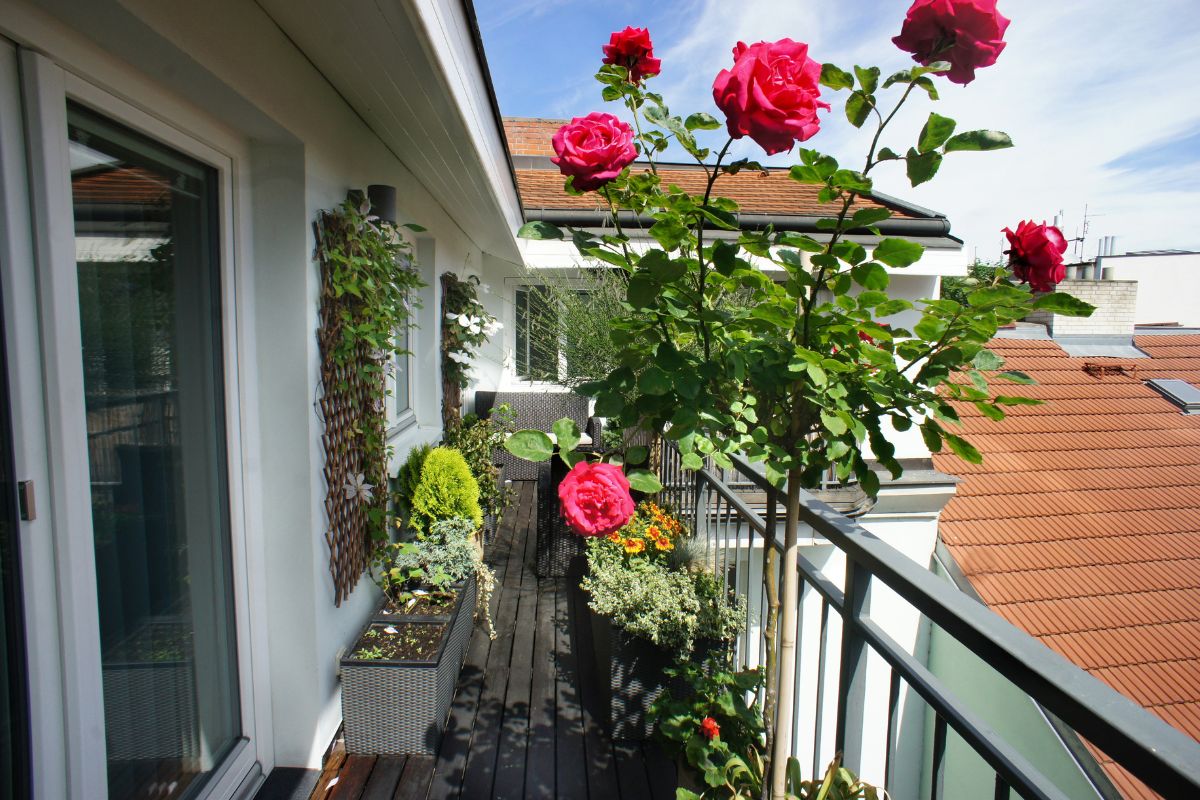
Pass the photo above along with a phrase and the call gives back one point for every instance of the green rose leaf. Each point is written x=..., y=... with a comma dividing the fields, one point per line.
x=661, y=267
x=1014, y=376
x=1012, y=400
x=935, y=133
x=858, y=108
x=979, y=140
x=645, y=481
x=868, y=78
x=669, y=232
x=1065, y=304
x=851, y=181
x=654, y=382
x=868, y=216
x=898, y=252
x=931, y=432
x=921, y=167
x=530, y=445
x=987, y=360
x=637, y=454
x=930, y=328
x=836, y=78
x=567, y=434
x=870, y=276
x=701, y=122
x=692, y=461
x=539, y=230
x=962, y=448
x=642, y=291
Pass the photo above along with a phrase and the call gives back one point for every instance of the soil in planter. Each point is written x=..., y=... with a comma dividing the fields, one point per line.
x=399, y=642
x=434, y=604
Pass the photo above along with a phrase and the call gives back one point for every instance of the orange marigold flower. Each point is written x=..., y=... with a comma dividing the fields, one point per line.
x=615, y=536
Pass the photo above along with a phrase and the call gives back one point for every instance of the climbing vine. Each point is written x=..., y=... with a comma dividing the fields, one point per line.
x=465, y=326
x=368, y=286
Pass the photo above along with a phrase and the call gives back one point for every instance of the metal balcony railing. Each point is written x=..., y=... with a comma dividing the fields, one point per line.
x=735, y=532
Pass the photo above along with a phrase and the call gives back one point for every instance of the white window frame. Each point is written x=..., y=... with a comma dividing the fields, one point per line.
x=398, y=420
x=47, y=87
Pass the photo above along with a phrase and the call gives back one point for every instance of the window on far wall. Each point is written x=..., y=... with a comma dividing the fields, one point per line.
x=537, y=334
x=402, y=389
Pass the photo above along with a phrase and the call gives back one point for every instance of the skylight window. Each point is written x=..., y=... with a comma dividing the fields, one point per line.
x=1181, y=393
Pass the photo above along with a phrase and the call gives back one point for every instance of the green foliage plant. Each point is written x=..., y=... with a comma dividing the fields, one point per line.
x=477, y=440
x=446, y=489
x=370, y=296
x=465, y=326
x=979, y=273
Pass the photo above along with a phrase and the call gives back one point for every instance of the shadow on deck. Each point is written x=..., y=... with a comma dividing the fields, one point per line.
x=524, y=723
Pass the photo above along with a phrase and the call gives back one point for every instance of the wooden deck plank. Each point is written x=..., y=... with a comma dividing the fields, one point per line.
x=539, y=762
x=384, y=778
x=601, y=767
x=415, y=780
x=455, y=749
x=570, y=759
x=481, y=760
x=514, y=733
x=352, y=777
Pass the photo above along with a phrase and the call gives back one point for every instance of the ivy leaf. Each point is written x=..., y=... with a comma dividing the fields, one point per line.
x=539, y=230
x=936, y=131
x=530, y=445
x=897, y=252
x=979, y=140
x=836, y=78
x=567, y=434
x=701, y=122
x=922, y=167
x=1064, y=304
x=645, y=481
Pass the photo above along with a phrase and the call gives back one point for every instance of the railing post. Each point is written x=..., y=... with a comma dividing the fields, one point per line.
x=852, y=681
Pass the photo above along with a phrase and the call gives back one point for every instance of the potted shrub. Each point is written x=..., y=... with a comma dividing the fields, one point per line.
x=398, y=680
x=445, y=489
x=655, y=604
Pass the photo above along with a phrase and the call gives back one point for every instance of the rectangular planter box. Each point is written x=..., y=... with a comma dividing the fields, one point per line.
x=465, y=597
x=632, y=670
x=400, y=707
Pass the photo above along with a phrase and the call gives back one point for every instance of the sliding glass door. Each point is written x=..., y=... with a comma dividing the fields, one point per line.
x=148, y=259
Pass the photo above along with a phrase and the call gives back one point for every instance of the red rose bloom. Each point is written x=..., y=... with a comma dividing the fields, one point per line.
x=593, y=149
x=633, y=49
x=595, y=499
x=709, y=728
x=967, y=33
x=1036, y=254
x=771, y=94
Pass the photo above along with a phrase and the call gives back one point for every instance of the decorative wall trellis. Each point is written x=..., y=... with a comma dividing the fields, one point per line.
x=351, y=408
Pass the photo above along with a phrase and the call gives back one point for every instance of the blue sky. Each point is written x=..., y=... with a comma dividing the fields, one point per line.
x=1100, y=97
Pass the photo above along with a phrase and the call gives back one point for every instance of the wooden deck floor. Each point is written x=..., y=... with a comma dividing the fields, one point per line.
x=523, y=723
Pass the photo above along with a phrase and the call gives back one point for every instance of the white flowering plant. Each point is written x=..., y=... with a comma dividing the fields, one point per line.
x=465, y=326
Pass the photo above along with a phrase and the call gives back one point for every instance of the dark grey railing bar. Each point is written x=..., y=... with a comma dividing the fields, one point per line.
x=1158, y=754
x=752, y=518
x=812, y=575
x=1002, y=792
x=852, y=667
x=937, y=778
x=990, y=746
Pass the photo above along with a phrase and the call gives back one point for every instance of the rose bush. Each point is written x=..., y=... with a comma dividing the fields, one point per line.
x=1036, y=254
x=813, y=374
x=632, y=49
x=595, y=499
x=593, y=150
x=771, y=94
x=969, y=34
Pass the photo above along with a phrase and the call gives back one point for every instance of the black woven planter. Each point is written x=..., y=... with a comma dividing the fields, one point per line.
x=400, y=707
x=633, y=670
x=560, y=551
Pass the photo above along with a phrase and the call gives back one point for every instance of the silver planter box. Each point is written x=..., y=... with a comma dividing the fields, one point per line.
x=400, y=707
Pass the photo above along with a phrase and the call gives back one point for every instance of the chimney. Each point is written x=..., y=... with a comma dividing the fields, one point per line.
x=1113, y=319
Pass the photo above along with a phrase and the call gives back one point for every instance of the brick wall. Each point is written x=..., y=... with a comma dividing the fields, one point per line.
x=1115, y=302
x=531, y=137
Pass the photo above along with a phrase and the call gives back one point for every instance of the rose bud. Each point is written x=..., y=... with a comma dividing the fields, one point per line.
x=632, y=49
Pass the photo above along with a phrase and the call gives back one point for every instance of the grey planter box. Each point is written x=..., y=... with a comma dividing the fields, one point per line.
x=632, y=669
x=465, y=599
x=400, y=707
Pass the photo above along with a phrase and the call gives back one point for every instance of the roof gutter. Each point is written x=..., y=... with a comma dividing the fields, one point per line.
x=895, y=226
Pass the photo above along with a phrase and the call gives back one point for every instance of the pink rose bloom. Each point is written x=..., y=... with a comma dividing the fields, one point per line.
x=595, y=499
x=771, y=94
x=594, y=149
x=633, y=49
x=1036, y=254
x=967, y=33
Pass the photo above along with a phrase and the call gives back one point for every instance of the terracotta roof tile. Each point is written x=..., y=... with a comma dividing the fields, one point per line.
x=1082, y=524
x=771, y=193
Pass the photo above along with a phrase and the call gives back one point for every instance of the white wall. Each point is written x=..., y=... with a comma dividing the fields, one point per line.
x=227, y=64
x=1168, y=285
